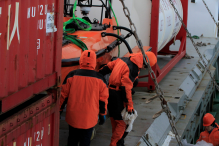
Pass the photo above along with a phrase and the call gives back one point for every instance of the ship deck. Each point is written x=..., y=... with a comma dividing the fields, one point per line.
x=184, y=88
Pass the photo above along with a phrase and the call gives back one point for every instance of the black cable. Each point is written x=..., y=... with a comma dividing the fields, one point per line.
x=103, y=34
x=109, y=1
x=106, y=9
x=67, y=6
x=65, y=10
x=124, y=28
x=101, y=17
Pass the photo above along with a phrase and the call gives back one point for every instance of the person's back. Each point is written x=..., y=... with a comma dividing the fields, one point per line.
x=127, y=66
x=87, y=95
x=121, y=67
x=83, y=103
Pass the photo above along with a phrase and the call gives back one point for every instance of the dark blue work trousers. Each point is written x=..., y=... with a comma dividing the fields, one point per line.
x=81, y=136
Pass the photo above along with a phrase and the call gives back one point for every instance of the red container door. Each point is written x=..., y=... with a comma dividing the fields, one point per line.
x=37, y=125
x=30, y=48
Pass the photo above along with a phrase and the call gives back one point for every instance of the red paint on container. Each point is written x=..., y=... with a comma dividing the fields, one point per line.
x=36, y=125
x=30, y=48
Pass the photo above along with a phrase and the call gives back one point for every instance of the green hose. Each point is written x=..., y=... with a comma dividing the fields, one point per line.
x=194, y=37
x=75, y=19
x=76, y=41
x=71, y=38
x=117, y=25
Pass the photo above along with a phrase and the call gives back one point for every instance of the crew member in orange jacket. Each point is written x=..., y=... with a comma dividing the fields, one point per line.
x=87, y=95
x=211, y=133
x=124, y=72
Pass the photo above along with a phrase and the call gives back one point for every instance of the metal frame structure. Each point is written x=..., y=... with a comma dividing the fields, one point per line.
x=161, y=73
x=90, y=4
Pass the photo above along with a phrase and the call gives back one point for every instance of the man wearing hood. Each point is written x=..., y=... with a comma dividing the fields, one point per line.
x=87, y=95
x=124, y=72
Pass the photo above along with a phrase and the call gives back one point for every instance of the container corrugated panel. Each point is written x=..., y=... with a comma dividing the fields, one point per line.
x=37, y=125
x=30, y=48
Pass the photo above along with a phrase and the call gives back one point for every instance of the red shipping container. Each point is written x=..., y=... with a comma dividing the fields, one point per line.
x=36, y=125
x=30, y=48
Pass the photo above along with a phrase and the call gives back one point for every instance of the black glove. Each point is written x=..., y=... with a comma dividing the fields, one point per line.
x=102, y=119
x=130, y=110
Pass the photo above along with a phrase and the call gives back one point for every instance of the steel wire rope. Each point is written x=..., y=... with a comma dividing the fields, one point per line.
x=195, y=46
x=152, y=75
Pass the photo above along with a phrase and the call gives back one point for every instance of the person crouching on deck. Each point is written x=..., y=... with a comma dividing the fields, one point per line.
x=124, y=72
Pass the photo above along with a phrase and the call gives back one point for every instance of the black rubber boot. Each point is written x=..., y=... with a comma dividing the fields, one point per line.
x=121, y=142
x=133, y=91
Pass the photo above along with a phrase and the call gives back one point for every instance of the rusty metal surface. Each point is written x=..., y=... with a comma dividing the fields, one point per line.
x=37, y=125
x=30, y=47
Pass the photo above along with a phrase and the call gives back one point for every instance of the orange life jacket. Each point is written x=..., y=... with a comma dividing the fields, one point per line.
x=124, y=71
x=213, y=137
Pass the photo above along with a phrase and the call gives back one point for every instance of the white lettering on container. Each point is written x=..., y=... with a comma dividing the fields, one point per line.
x=28, y=13
x=53, y=7
x=29, y=142
x=40, y=23
x=33, y=11
x=41, y=9
x=38, y=136
x=38, y=47
x=0, y=11
x=9, y=39
x=46, y=6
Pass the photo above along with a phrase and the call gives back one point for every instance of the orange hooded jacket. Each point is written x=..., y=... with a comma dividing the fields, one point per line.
x=87, y=93
x=213, y=137
x=124, y=71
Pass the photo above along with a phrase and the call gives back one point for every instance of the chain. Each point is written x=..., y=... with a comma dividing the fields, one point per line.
x=210, y=13
x=152, y=74
x=196, y=48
